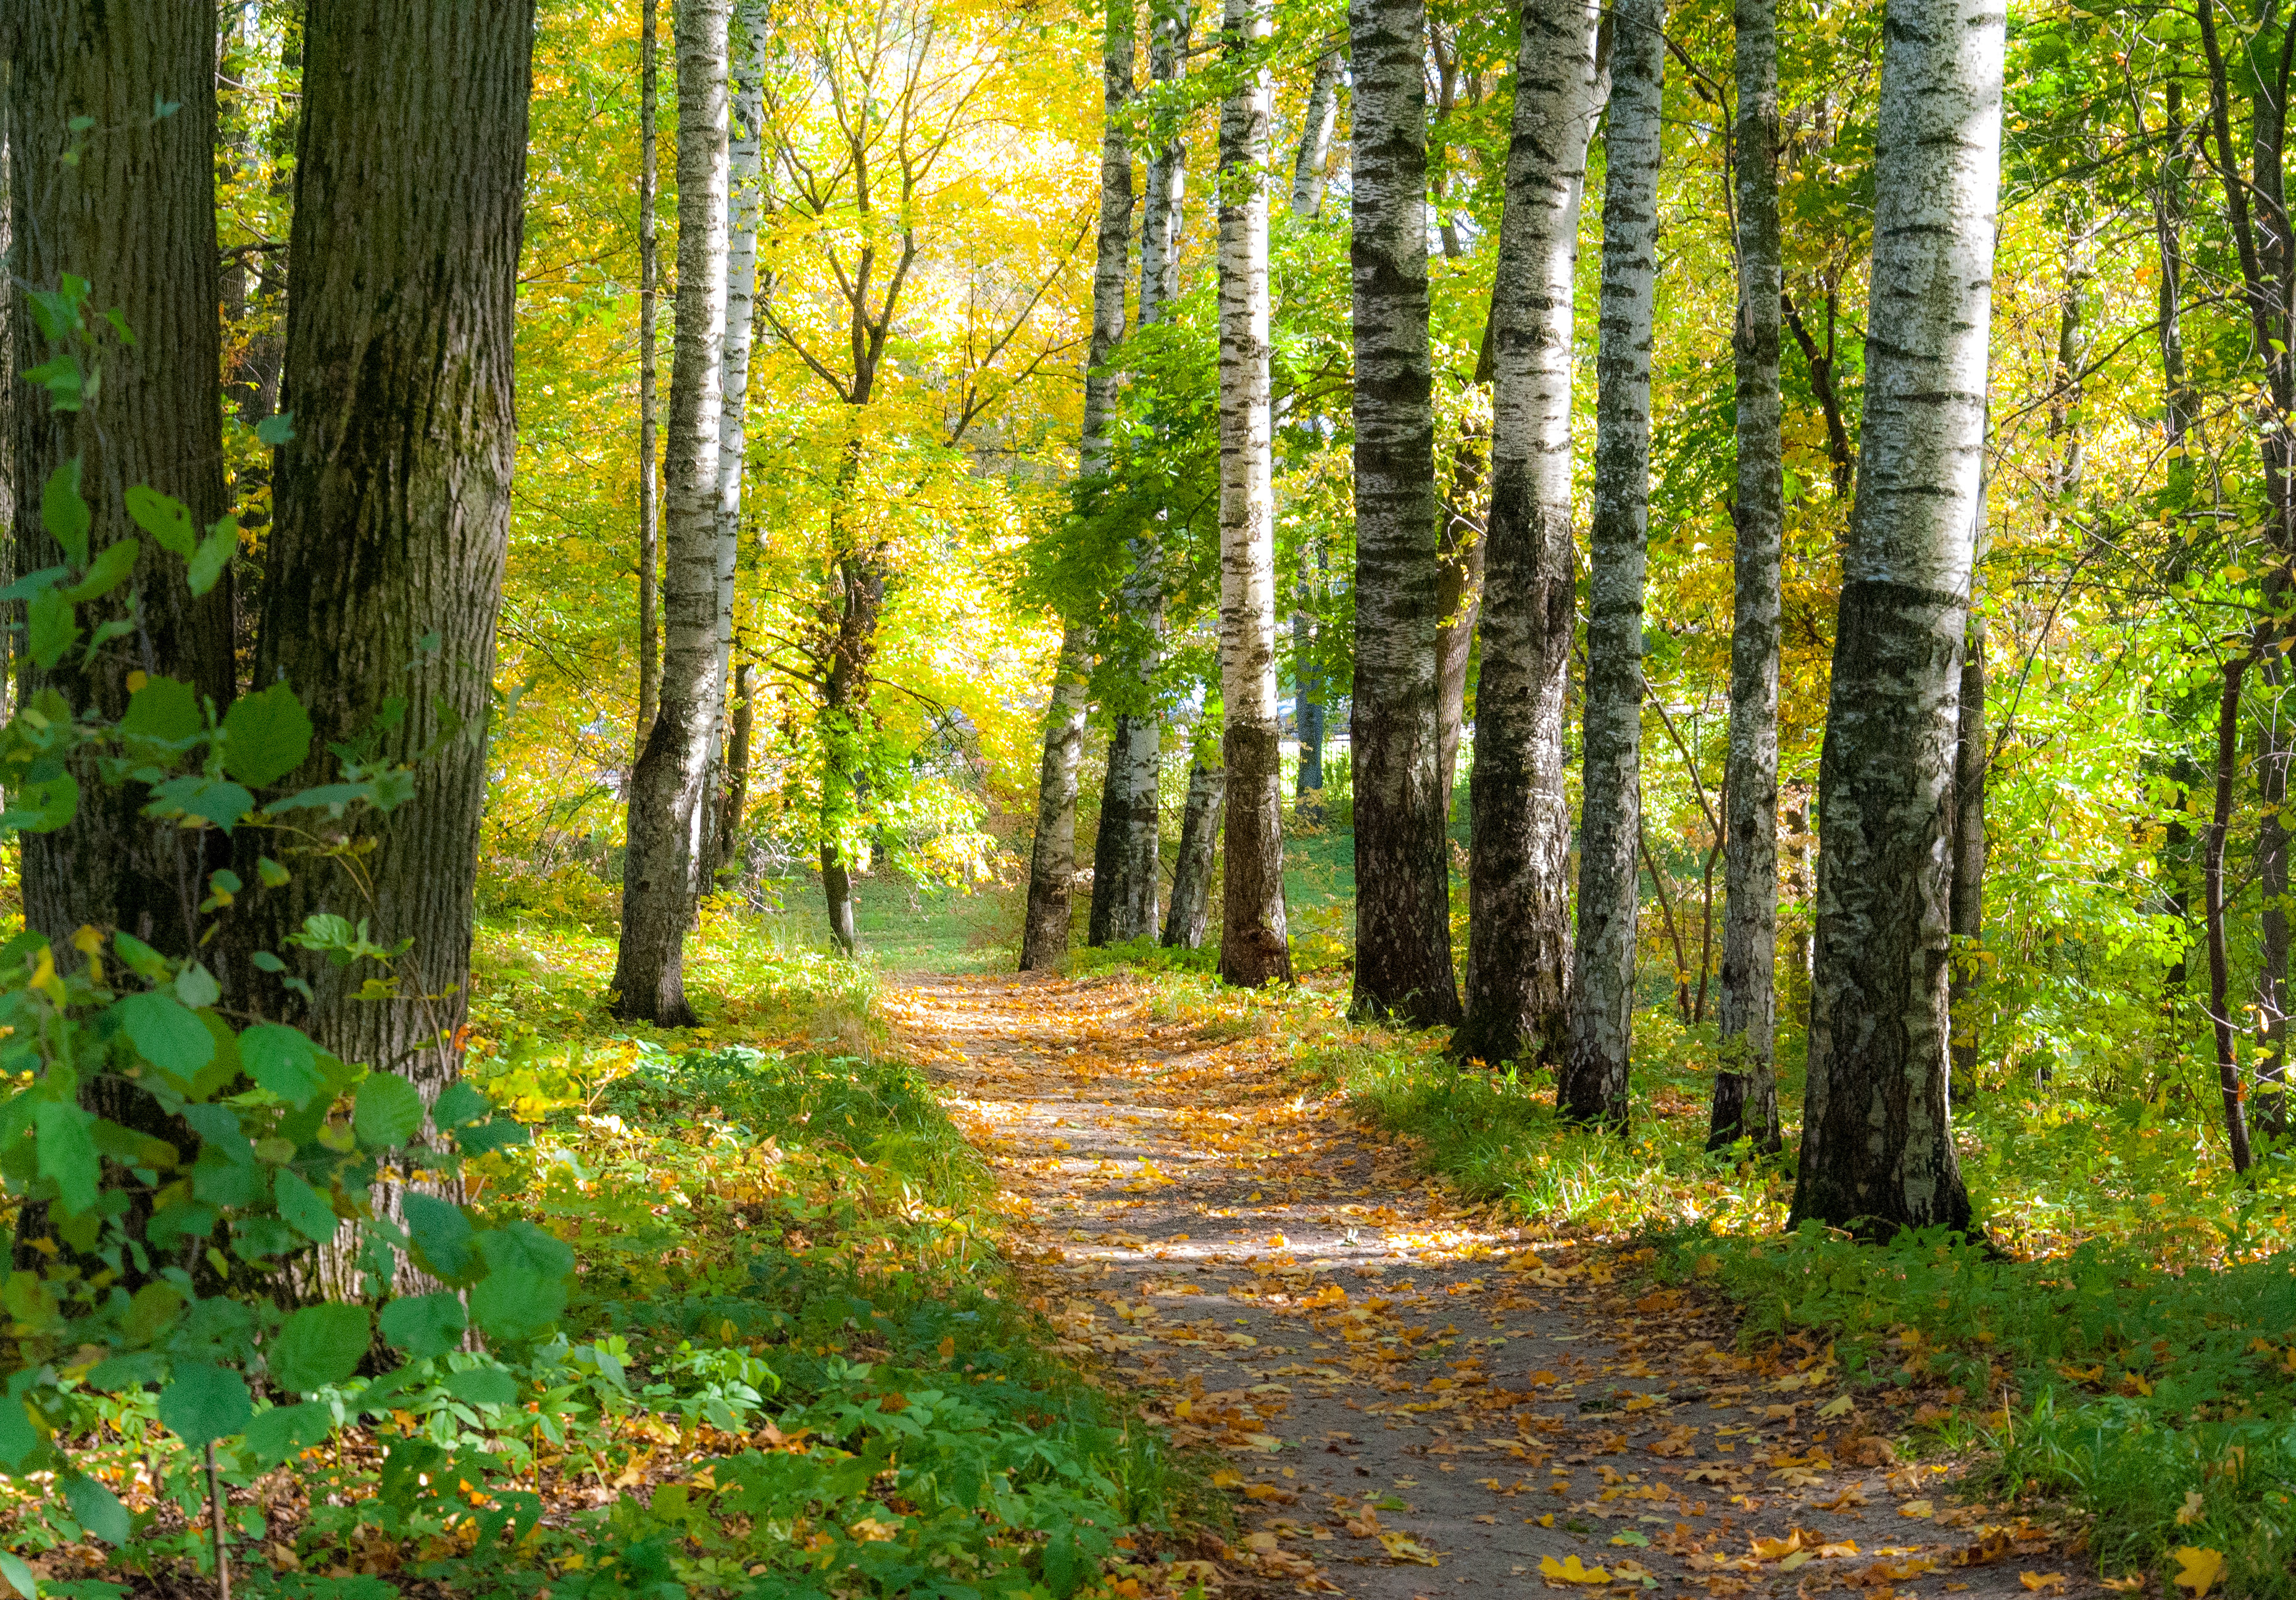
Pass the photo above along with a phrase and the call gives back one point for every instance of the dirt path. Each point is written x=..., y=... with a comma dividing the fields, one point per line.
x=1416, y=1398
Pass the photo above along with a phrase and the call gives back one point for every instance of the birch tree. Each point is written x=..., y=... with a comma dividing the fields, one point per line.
x=1052, y=855
x=1877, y=1149
x=669, y=788
x=1311, y=167
x=1402, y=858
x=1255, y=945
x=1518, y=942
x=1745, y=1086
x=1593, y=1086
x=649, y=404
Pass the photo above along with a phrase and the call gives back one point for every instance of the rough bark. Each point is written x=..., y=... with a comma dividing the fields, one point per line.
x=1190, y=914
x=1745, y=1087
x=1402, y=859
x=1127, y=874
x=133, y=215
x=1311, y=166
x=1255, y=945
x=386, y=556
x=1459, y=580
x=1877, y=1148
x=649, y=442
x=2212, y=878
x=733, y=790
x=1518, y=942
x=1593, y=1086
x=1052, y=856
x=668, y=791
x=1169, y=23
x=1972, y=755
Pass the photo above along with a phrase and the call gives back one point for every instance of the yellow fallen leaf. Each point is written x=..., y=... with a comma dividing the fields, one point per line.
x=1800, y=1558
x=2190, y=1511
x=1777, y=1549
x=2201, y=1569
x=1916, y=1508
x=1227, y=1477
x=1569, y=1570
x=1262, y=1543
x=2121, y=1586
x=1403, y=1549
x=2038, y=1581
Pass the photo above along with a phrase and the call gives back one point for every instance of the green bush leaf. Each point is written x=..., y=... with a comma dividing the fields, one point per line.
x=204, y=1402
x=274, y=1435
x=47, y=804
x=388, y=1112
x=283, y=1060
x=214, y=554
x=304, y=1208
x=113, y=567
x=164, y=710
x=461, y=1102
x=63, y=513
x=484, y=1386
x=165, y=1033
x=442, y=1236
x=518, y=1303
x=141, y=959
x=64, y=1142
x=221, y=803
x=424, y=1325
x=484, y=1139
x=266, y=735
x=50, y=628
x=99, y=1510
x=277, y=429
x=320, y=1345
x=164, y=517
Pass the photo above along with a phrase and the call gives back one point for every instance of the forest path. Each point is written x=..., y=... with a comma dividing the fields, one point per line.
x=1414, y=1397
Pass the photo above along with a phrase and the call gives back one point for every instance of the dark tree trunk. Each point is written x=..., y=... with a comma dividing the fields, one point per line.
x=2220, y=991
x=1402, y=859
x=1052, y=857
x=1190, y=914
x=1125, y=873
x=1459, y=586
x=1307, y=716
x=1877, y=1144
x=734, y=793
x=1972, y=756
x=134, y=214
x=1592, y=1088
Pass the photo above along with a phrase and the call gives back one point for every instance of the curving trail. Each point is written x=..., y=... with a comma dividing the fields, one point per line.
x=1414, y=1397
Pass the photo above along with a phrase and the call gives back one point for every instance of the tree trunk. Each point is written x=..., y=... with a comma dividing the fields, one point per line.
x=1593, y=1086
x=1192, y=870
x=648, y=448
x=1308, y=690
x=745, y=202
x=1255, y=945
x=1459, y=586
x=734, y=795
x=132, y=214
x=2219, y=994
x=1745, y=1087
x=1972, y=755
x=1402, y=859
x=1311, y=166
x=1168, y=26
x=1126, y=871
x=1052, y=857
x=669, y=788
x=1877, y=1146
x=1518, y=942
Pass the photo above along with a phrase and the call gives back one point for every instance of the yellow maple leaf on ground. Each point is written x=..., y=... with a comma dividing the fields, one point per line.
x=1403, y=1549
x=2201, y=1569
x=1570, y=1569
x=2038, y=1581
x=1916, y=1508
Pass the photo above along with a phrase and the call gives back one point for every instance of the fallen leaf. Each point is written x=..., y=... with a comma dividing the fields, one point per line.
x=1916, y=1508
x=2038, y=1581
x=1403, y=1549
x=2201, y=1569
x=2190, y=1511
x=1569, y=1570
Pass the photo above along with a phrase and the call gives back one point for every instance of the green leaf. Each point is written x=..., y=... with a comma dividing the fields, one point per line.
x=524, y=1290
x=197, y=988
x=45, y=804
x=305, y=1209
x=33, y=583
x=283, y=1060
x=266, y=735
x=273, y=874
x=63, y=513
x=461, y=1102
x=389, y=1111
x=165, y=518
x=277, y=429
x=484, y=1139
x=220, y=803
x=22, y=1441
x=424, y=1325
x=272, y=1436
x=204, y=1402
x=19, y=1576
x=64, y=1142
x=49, y=628
x=320, y=1345
x=114, y=567
x=99, y=1510
x=442, y=1236
x=484, y=1386
x=165, y=1033
x=152, y=1312
x=165, y=711
x=206, y=566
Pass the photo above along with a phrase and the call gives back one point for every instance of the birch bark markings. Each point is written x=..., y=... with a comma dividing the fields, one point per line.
x=649, y=444
x=1593, y=1085
x=1311, y=167
x=745, y=205
x=670, y=787
x=1518, y=944
x=1402, y=861
x=1052, y=857
x=1877, y=1151
x=1255, y=945
x=1745, y=1087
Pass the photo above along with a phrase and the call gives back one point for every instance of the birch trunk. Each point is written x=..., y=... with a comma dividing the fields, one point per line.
x=1593, y=1088
x=1877, y=1146
x=1190, y=915
x=1402, y=860
x=1308, y=714
x=669, y=788
x=1518, y=943
x=1312, y=164
x=649, y=443
x=1169, y=23
x=1052, y=857
x=745, y=203
x=1972, y=755
x=1255, y=945
x=1746, y=1088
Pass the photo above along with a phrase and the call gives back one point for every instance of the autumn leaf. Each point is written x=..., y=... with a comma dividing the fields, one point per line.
x=2198, y=1570
x=1916, y=1508
x=2038, y=1581
x=1403, y=1548
x=1569, y=1570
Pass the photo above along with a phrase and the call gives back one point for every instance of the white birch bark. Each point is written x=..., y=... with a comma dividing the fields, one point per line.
x=1593, y=1084
x=1052, y=857
x=1745, y=1086
x=1518, y=947
x=1255, y=945
x=1877, y=1149
x=1312, y=166
x=1169, y=23
x=669, y=785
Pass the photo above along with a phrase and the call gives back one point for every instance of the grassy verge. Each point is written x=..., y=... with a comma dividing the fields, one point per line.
x=788, y=1365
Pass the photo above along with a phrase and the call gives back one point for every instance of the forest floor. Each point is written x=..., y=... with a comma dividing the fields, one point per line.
x=1411, y=1396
